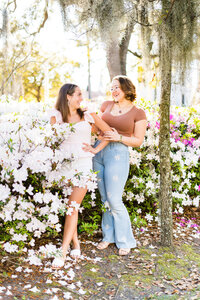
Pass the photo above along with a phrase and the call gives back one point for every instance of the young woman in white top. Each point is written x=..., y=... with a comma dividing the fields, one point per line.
x=67, y=110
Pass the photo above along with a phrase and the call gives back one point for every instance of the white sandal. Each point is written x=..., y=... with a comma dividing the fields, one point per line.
x=59, y=260
x=75, y=253
x=58, y=263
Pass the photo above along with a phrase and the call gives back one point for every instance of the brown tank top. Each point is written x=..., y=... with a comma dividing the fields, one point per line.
x=124, y=123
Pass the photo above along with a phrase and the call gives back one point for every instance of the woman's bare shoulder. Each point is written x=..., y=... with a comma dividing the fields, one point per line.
x=105, y=104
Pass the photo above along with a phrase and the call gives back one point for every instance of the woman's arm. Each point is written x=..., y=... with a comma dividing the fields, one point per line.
x=135, y=141
x=103, y=126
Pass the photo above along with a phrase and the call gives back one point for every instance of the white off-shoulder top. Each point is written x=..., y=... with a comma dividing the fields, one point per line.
x=82, y=134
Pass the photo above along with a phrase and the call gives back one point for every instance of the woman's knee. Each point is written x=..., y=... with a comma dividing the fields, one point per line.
x=116, y=204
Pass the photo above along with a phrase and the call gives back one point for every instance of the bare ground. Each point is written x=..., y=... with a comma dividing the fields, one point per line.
x=148, y=272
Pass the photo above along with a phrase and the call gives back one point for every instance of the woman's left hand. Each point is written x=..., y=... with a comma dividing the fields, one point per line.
x=112, y=135
x=89, y=148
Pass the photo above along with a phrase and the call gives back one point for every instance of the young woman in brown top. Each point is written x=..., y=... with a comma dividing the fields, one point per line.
x=112, y=163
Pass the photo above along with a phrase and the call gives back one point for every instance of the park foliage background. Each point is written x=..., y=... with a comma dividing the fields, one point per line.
x=154, y=40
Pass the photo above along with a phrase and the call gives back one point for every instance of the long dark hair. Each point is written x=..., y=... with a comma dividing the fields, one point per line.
x=62, y=102
x=127, y=87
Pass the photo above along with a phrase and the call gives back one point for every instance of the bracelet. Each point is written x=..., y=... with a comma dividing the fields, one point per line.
x=120, y=138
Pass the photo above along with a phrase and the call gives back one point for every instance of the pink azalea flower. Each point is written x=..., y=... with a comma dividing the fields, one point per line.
x=194, y=225
x=157, y=125
x=182, y=224
x=185, y=142
x=183, y=220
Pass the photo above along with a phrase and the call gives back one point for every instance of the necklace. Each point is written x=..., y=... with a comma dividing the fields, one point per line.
x=120, y=109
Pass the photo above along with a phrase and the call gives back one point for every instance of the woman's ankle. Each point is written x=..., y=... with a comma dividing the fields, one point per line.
x=65, y=250
x=76, y=244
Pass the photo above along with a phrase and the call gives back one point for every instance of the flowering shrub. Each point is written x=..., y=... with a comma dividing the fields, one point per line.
x=142, y=188
x=34, y=194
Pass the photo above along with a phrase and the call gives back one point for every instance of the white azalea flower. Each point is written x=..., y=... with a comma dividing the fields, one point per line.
x=10, y=248
x=53, y=219
x=149, y=217
x=71, y=286
x=67, y=295
x=81, y=291
x=196, y=201
x=19, y=269
x=18, y=187
x=93, y=270
x=27, y=270
x=62, y=282
x=34, y=260
x=49, y=281
x=54, y=298
x=8, y=293
x=34, y=290
x=99, y=283
x=4, y=192
x=2, y=288
x=27, y=286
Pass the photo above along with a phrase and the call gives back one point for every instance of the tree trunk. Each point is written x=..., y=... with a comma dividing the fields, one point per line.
x=117, y=53
x=124, y=45
x=113, y=58
x=164, y=140
x=39, y=89
x=5, y=50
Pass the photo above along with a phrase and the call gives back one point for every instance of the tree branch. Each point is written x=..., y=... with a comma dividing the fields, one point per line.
x=45, y=18
x=170, y=9
x=135, y=54
x=12, y=2
x=19, y=66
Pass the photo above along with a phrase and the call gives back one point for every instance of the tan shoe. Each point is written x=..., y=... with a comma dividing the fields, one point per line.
x=103, y=245
x=124, y=251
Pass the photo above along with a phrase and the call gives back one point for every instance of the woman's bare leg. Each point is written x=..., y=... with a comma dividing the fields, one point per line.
x=75, y=239
x=71, y=221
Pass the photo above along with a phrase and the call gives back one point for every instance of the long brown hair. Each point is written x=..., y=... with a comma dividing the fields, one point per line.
x=62, y=102
x=127, y=87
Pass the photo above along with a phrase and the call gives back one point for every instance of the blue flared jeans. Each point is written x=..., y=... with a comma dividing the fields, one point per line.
x=112, y=165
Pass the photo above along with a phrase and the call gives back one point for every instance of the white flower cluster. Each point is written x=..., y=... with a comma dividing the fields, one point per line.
x=33, y=190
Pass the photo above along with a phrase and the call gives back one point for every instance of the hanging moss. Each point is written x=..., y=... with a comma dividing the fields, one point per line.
x=183, y=22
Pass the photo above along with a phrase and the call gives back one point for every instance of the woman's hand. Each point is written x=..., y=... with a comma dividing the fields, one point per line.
x=113, y=135
x=89, y=148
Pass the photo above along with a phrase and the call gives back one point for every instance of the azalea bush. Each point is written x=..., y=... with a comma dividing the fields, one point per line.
x=142, y=189
x=34, y=193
